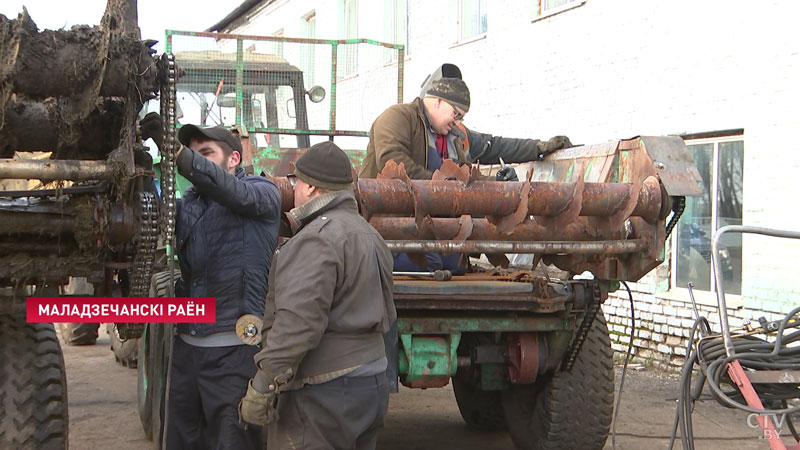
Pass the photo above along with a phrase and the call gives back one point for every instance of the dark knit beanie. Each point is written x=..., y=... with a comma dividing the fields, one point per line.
x=452, y=90
x=325, y=165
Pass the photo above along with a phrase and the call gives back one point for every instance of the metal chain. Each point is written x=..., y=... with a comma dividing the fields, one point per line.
x=680, y=205
x=148, y=232
x=146, y=240
x=146, y=243
x=583, y=330
x=168, y=165
x=169, y=148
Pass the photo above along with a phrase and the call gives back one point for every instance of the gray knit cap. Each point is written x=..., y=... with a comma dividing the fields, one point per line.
x=325, y=165
x=452, y=90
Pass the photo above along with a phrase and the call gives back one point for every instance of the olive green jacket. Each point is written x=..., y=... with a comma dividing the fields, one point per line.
x=401, y=134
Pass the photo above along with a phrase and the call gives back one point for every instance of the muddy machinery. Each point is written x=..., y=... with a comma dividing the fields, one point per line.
x=89, y=208
x=91, y=212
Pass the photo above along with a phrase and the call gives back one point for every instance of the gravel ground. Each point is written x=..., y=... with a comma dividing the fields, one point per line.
x=103, y=413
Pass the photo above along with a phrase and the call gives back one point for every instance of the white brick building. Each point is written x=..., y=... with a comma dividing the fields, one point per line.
x=596, y=70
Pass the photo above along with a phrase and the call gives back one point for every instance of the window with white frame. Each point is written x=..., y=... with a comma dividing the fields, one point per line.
x=472, y=20
x=347, y=54
x=550, y=7
x=721, y=165
x=308, y=26
x=395, y=26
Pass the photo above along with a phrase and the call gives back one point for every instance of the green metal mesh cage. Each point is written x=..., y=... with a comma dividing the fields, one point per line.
x=273, y=88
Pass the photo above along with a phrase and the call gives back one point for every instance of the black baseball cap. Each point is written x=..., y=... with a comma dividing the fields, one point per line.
x=222, y=134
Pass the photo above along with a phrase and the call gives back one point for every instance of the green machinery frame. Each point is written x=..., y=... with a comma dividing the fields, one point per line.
x=334, y=44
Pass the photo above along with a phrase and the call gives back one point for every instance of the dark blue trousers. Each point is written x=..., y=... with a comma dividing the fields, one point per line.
x=206, y=385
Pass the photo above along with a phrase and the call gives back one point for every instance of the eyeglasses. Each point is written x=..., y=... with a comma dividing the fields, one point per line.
x=457, y=115
x=292, y=179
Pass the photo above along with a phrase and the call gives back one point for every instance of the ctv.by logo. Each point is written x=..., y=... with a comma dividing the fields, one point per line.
x=777, y=419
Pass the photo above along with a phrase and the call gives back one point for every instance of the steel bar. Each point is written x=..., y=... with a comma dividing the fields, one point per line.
x=492, y=198
x=51, y=170
x=449, y=324
x=504, y=303
x=69, y=190
x=405, y=228
x=546, y=248
x=438, y=275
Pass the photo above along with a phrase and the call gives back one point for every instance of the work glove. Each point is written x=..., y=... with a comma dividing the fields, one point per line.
x=258, y=408
x=553, y=144
x=152, y=127
x=507, y=173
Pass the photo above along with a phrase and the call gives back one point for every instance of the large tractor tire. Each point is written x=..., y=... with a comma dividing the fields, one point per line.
x=125, y=352
x=79, y=333
x=568, y=409
x=481, y=410
x=33, y=386
x=153, y=362
x=144, y=387
x=161, y=335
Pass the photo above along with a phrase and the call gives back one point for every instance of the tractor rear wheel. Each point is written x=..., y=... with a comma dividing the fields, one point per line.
x=567, y=409
x=33, y=386
x=125, y=352
x=481, y=410
x=153, y=363
x=79, y=333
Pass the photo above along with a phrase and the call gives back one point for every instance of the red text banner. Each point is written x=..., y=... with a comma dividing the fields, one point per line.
x=122, y=309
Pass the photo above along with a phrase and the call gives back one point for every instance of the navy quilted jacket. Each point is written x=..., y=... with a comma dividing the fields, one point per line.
x=226, y=233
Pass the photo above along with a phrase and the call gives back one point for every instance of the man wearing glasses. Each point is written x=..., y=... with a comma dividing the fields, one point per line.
x=490, y=149
x=420, y=134
x=395, y=134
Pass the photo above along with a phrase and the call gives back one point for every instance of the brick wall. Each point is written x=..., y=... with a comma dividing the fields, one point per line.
x=663, y=325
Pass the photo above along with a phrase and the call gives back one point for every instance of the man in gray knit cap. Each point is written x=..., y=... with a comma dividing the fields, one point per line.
x=420, y=134
x=397, y=134
x=321, y=380
x=488, y=149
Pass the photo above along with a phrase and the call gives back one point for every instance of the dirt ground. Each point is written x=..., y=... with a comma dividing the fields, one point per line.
x=103, y=414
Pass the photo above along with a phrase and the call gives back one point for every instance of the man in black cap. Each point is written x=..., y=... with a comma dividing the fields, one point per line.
x=226, y=231
x=321, y=381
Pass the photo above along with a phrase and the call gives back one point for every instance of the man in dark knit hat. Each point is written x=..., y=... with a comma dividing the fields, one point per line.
x=226, y=230
x=321, y=380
